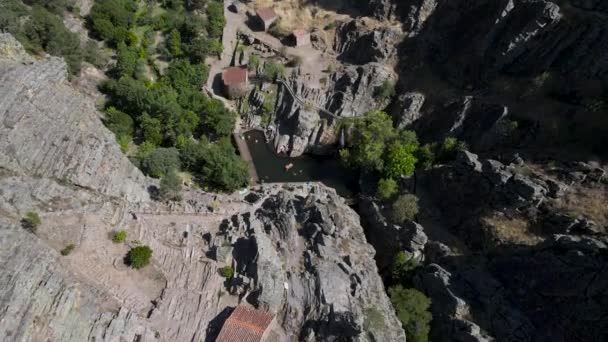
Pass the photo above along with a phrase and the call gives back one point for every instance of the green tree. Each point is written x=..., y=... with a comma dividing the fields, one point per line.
x=192, y=154
x=405, y=208
x=151, y=129
x=215, y=47
x=160, y=162
x=400, y=160
x=370, y=135
x=120, y=123
x=144, y=150
x=94, y=55
x=174, y=43
x=181, y=74
x=112, y=19
x=126, y=60
x=139, y=256
x=273, y=70
x=385, y=91
x=403, y=267
x=215, y=15
x=222, y=168
x=425, y=156
x=412, y=308
x=45, y=31
x=199, y=49
x=31, y=221
x=448, y=149
x=170, y=186
x=119, y=236
x=216, y=120
x=387, y=188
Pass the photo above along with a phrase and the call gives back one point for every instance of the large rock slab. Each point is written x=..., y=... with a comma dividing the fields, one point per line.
x=48, y=129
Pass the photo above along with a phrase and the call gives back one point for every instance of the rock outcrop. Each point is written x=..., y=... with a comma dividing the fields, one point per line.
x=480, y=124
x=389, y=238
x=517, y=37
x=510, y=282
x=49, y=129
x=360, y=42
x=299, y=263
x=301, y=128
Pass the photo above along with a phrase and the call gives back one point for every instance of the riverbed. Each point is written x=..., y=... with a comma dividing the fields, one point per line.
x=271, y=168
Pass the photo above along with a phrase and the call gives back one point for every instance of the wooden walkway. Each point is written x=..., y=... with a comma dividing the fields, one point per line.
x=241, y=144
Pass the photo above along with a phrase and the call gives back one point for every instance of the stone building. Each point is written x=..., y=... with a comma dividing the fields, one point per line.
x=300, y=38
x=266, y=16
x=235, y=81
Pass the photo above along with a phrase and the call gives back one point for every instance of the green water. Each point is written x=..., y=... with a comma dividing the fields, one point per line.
x=325, y=169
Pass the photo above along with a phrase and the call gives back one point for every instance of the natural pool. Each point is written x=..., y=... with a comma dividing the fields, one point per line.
x=325, y=169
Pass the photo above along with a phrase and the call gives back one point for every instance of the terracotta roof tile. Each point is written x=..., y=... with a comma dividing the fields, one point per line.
x=245, y=325
x=266, y=13
x=234, y=75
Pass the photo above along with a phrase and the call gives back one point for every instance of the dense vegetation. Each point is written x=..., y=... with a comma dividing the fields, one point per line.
x=412, y=308
x=377, y=148
x=156, y=106
x=40, y=29
x=411, y=305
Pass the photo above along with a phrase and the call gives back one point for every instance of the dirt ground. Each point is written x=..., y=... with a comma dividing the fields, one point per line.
x=304, y=15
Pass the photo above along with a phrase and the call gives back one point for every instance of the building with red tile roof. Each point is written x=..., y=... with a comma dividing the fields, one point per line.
x=245, y=325
x=266, y=16
x=235, y=81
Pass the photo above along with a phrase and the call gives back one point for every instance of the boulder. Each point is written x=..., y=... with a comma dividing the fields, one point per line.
x=360, y=43
x=406, y=109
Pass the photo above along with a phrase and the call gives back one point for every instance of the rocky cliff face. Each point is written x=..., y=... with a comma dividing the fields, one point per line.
x=300, y=262
x=51, y=130
x=291, y=248
x=350, y=92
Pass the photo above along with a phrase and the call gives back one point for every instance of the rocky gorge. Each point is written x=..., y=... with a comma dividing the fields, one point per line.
x=510, y=242
x=290, y=244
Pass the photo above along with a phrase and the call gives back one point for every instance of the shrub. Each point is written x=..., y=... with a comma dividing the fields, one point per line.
x=425, y=156
x=254, y=62
x=400, y=160
x=31, y=221
x=387, y=188
x=223, y=168
x=369, y=139
x=170, y=186
x=385, y=91
x=412, y=308
x=46, y=31
x=161, y=161
x=402, y=267
x=273, y=70
x=119, y=236
x=405, y=208
x=448, y=149
x=68, y=249
x=227, y=272
x=216, y=19
x=139, y=256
